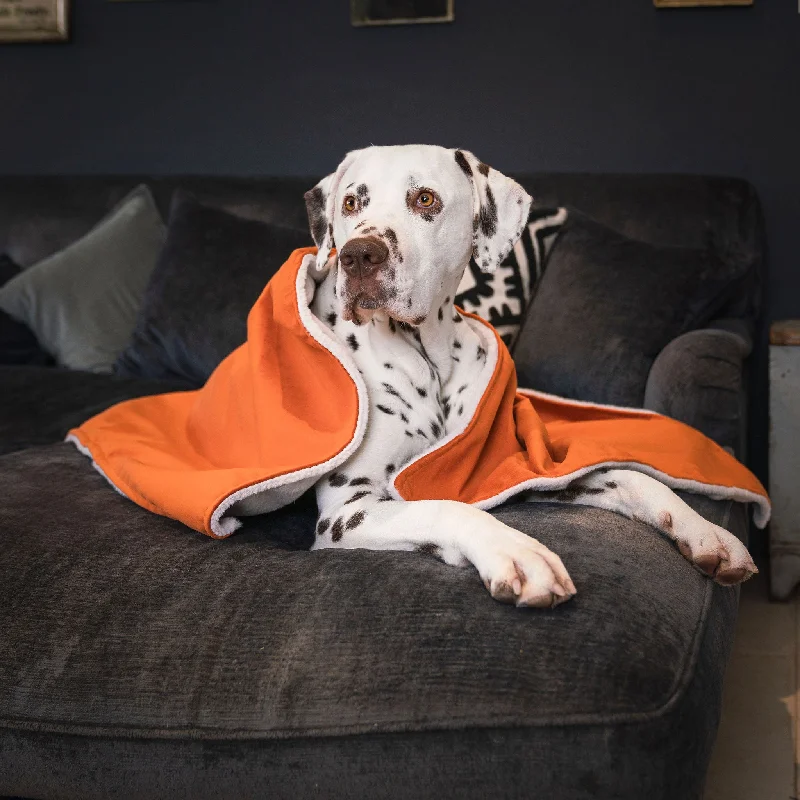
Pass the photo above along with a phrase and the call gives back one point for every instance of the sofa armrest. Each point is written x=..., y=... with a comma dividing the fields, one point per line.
x=698, y=378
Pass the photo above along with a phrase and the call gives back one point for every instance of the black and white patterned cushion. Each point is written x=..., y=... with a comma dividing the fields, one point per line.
x=502, y=297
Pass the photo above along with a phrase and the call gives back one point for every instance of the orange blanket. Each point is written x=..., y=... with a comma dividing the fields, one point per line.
x=289, y=406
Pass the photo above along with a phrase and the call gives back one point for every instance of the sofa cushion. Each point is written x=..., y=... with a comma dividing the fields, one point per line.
x=607, y=305
x=18, y=345
x=268, y=666
x=82, y=302
x=39, y=405
x=213, y=268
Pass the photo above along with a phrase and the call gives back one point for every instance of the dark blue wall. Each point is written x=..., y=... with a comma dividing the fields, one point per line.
x=239, y=86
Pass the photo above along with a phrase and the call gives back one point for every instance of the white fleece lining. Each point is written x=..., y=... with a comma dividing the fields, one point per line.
x=222, y=526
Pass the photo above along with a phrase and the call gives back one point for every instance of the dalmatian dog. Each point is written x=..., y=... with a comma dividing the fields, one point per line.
x=405, y=222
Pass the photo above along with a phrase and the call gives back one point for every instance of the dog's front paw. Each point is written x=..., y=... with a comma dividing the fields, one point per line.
x=517, y=569
x=718, y=554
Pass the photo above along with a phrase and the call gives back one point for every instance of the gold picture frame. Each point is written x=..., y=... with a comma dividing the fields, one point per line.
x=34, y=20
x=699, y=3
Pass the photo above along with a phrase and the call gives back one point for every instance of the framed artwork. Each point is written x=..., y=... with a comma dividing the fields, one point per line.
x=34, y=20
x=400, y=12
x=697, y=3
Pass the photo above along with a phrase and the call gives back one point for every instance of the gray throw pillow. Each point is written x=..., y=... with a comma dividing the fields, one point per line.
x=607, y=305
x=212, y=269
x=82, y=301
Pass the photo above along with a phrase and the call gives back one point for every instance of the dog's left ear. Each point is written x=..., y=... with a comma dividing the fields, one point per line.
x=320, y=208
x=500, y=211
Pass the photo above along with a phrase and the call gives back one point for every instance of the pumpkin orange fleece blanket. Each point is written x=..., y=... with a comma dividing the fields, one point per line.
x=289, y=406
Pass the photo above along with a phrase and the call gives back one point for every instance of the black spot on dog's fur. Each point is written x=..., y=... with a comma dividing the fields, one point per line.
x=392, y=326
x=421, y=392
x=460, y=409
x=356, y=520
x=457, y=359
x=409, y=434
x=322, y=526
x=404, y=326
x=483, y=169
x=429, y=549
x=458, y=318
x=315, y=207
x=385, y=410
x=457, y=344
x=361, y=190
x=337, y=530
x=419, y=320
x=481, y=353
x=422, y=433
x=569, y=494
x=404, y=417
x=441, y=315
x=447, y=300
x=461, y=388
x=391, y=237
x=390, y=469
x=462, y=162
x=394, y=393
x=331, y=318
x=387, y=365
x=353, y=342
x=611, y=484
x=384, y=497
x=337, y=479
x=488, y=215
x=435, y=429
x=356, y=496
x=361, y=482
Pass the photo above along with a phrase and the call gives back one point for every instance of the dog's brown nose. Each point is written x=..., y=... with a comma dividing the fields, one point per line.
x=363, y=256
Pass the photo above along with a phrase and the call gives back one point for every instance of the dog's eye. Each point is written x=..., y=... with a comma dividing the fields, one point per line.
x=426, y=199
x=350, y=203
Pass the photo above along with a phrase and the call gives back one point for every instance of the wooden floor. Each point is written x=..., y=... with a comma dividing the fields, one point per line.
x=757, y=752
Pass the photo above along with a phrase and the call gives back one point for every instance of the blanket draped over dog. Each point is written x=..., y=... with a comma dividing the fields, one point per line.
x=289, y=406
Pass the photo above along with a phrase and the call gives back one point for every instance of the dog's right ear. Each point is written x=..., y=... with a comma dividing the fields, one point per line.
x=321, y=209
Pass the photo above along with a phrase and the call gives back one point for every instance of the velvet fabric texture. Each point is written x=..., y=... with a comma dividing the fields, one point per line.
x=82, y=302
x=156, y=637
x=698, y=378
x=212, y=269
x=607, y=306
x=18, y=344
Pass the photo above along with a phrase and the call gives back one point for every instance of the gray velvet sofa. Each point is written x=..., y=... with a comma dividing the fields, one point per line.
x=139, y=659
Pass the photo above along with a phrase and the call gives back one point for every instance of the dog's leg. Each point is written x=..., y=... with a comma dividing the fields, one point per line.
x=514, y=567
x=714, y=551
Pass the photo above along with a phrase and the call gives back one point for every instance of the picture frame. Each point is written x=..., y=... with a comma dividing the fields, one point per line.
x=699, y=3
x=400, y=12
x=34, y=21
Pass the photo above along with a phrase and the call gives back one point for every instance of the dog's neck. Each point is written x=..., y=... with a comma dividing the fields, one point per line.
x=438, y=338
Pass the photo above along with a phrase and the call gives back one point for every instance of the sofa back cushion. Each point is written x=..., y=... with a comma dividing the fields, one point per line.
x=607, y=305
x=211, y=271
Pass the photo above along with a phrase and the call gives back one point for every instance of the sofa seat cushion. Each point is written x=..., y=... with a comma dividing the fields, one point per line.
x=122, y=627
x=41, y=404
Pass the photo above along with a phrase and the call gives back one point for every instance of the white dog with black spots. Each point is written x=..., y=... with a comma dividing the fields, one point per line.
x=405, y=222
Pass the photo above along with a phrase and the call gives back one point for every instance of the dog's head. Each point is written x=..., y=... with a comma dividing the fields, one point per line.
x=405, y=221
